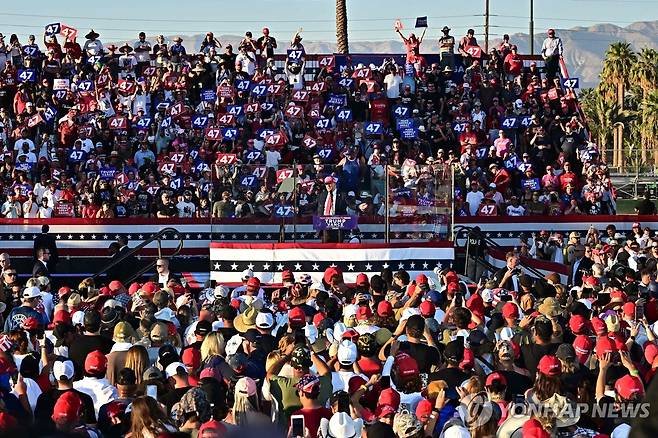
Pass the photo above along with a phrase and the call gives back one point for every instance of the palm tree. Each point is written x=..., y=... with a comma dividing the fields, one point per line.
x=644, y=76
x=615, y=79
x=602, y=116
x=649, y=123
x=341, y=27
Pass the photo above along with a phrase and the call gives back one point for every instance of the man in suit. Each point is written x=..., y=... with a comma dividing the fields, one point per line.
x=508, y=277
x=129, y=265
x=40, y=267
x=580, y=266
x=331, y=202
x=45, y=240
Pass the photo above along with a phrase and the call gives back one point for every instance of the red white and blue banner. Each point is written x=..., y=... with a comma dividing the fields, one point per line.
x=497, y=258
x=268, y=261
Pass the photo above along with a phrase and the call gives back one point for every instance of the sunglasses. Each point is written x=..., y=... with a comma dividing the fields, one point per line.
x=10, y=274
x=159, y=266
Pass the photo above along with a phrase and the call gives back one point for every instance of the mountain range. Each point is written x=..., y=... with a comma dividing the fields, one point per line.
x=584, y=47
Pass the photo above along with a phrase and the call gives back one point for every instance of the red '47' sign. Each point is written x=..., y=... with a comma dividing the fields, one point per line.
x=226, y=158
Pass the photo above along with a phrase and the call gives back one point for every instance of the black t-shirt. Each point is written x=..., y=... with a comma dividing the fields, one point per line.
x=380, y=430
x=532, y=354
x=168, y=210
x=172, y=397
x=46, y=404
x=517, y=384
x=83, y=345
x=452, y=376
x=425, y=355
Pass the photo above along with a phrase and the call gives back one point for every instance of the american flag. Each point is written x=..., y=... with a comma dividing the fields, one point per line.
x=268, y=261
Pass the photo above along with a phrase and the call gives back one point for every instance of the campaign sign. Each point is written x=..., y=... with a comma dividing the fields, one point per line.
x=409, y=133
x=373, y=128
x=144, y=123
x=401, y=124
x=253, y=155
x=337, y=100
x=571, y=83
x=346, y=82
x=208, y=95
x=283, y=211
x=229, y=133
x=531, y=184
x=421, y=21
x=459, y=126
x=60, y=84
x=107, y=173
x=321, y=223
x=295, y=55
x=344, y=115
x=402, y=111
x=199, y=121
x=509, y=122
x=525, y=120
x=250, y=181
x=52, y=29
x=49, y=113
x=27, y=75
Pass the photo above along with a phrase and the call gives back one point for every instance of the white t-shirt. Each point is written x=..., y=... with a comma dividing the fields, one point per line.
x=515, y=211
x=272, y=159
x=87, y=144
x=248, y=65
x=392, y=82
x=186, y=209
x=30, y=211
x=142, y=56
x=474, y=199
x=45, y=212
x=18, y=145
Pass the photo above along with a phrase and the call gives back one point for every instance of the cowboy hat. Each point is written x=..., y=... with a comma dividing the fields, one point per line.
x=178, y=39
x=125, y=48
x=246, y=320
x=111, y=48
x=340, y=425
x=92, y=35
x=445, y=29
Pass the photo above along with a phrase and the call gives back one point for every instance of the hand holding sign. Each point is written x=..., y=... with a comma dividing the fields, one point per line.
x=398, y=25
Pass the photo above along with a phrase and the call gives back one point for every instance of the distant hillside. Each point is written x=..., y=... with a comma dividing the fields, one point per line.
x=584, y=46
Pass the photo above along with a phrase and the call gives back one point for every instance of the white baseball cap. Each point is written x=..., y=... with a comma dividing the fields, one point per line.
x=317, y=286
x=172, y=369
x=221, y=291
x=63, y=368
x=347, y=352
x=247, y=274
x=31, y=292
x=233, y=344
x=264, y=320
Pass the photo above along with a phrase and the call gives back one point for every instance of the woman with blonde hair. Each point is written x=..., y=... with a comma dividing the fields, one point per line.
x=137, y=360
x=210, y=347
x=246, y=406
x=147, y=419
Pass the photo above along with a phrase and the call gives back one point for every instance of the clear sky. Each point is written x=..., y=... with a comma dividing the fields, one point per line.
x=369, y=20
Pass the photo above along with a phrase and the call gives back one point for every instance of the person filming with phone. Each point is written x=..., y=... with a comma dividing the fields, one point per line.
x=508, y=277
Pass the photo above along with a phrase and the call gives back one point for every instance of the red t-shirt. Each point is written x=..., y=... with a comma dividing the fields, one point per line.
x=513, y=64
x=312, y=418
x=379, y=110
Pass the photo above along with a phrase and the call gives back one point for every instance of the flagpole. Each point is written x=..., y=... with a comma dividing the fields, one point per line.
x=294, y=201
x=386, y=208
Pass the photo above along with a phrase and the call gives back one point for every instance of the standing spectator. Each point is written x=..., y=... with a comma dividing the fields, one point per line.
x=30, y=300
x=11, y=209
x=89, y=341
x=266, y=44
x=40, y=267
x=447, y=48
x=143, y=52
x=551, y=51
x=186, y=208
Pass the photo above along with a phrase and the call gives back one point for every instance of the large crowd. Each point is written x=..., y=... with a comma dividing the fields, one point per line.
x=162, y=129
x=505, y=355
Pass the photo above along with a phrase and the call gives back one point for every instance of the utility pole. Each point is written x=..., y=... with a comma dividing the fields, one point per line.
x=532, y=27
x=486, y=26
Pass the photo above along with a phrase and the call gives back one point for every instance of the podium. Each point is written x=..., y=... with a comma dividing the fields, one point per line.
x=332, y=227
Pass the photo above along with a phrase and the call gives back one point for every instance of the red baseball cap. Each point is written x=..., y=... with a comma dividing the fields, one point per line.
x=452, y=287
x=599, y=326
x=253, y=282
x=578, y=324
x=389, y=397
x=318, y=318
x=583, y=347
x=286, y=275
x=384, y=410
x=510, y=310
x=105, y=292
x=427, y=309
x=422, y=279
x=533, y=429
x=64, y=290
x=115, y=285
x=363, y=313
x=67, y=407
x=605, y=345
x=629, y=387
x=329, y=273
x=150, y=288
x=134, y=287
x=96, y=362
x=650, y=352
x=496, y=377
x=385, y=309
x=362, y=280
x=469, y=360
x=296, y=317
x=451, y=277
x=550, y=365
x=617, y=296
x=191, y=357
x=62, y=316
x=406, y=366
x=423, y=409
x=629, y=309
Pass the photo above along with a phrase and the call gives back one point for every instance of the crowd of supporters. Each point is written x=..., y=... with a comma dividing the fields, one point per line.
x=387, y=356
x=163, y=129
